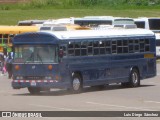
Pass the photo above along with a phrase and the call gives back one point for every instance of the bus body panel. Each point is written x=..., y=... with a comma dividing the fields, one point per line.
x=94, y=69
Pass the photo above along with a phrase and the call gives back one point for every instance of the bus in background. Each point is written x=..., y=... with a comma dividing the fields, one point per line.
x=64, y=24
x=31, y=22
x=8, y=32
x=151, y=24
x=93, y=21
x=96, y=21
x=63, y=27
x=75, y=59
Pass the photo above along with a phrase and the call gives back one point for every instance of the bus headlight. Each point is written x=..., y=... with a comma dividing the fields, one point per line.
x=50, y=67
x=17, y=67
x=48, y=78
x=19, y=77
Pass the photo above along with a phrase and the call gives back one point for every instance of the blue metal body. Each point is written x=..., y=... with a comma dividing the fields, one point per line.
x=94, y=70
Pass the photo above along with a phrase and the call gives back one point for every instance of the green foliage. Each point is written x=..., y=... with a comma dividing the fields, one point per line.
x=4, y=7
x=72, y=4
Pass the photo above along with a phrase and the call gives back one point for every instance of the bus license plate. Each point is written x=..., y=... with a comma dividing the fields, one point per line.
x=33, y=83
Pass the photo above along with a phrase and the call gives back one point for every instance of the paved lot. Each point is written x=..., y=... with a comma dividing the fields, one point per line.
x=113, y=98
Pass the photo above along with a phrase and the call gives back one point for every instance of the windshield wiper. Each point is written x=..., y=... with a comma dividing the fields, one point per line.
x=38, y=56
x=31, y=57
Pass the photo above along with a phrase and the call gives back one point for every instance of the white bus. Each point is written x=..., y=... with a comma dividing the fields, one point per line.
x=151, y=24
x=95, y=21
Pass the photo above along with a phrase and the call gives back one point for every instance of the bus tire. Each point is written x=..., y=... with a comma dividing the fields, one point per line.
x=34, y=90
x=76, y=84
x=134, y=78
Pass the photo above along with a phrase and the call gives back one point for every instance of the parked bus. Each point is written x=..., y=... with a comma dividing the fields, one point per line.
x=151, y=24
x=31, y=22
x=95, y=21
x=74, y=59
x=8, y=32
x=63, y=27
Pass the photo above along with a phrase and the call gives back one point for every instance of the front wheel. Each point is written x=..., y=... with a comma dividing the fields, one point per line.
x=134, y=78
x=76, y=84
x=34, y=90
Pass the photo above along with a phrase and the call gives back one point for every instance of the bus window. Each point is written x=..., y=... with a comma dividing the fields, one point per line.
x=154, y=24
x=90, y=47
x=125, y=46
x=142, y=45
x=114, y=47
x=84, y=48
x=108, y=47
x=96, y=47
x=77, y=48
x=71, y=49
x=120, y=46
x=140, y=24
x=147, y=45
x=102, y=47
x=63, y=47
x=136, y=45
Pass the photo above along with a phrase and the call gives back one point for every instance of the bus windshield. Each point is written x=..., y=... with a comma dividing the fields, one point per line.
x=154, y=24
x=36, y=53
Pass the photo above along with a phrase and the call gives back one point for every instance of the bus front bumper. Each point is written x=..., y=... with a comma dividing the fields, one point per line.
x=17, y=84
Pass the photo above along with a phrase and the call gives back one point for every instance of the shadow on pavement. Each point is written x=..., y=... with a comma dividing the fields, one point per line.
x=61, y=92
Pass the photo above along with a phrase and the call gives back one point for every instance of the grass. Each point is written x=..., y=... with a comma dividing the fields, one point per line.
x=11, y=17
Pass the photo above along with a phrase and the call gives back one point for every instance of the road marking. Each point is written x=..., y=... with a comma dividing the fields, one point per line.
x=157, y=102
x=66, y=109
x=119, y=106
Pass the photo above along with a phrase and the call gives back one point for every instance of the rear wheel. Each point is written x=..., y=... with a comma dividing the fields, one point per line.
x=76, y=84
x=134, y=79
x=34, y=90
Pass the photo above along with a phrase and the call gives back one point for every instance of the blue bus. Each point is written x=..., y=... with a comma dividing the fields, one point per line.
x=74, y=59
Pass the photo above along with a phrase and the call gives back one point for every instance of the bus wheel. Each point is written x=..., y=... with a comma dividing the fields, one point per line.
x=134, y=78
x=34, y=90
x=76, y=84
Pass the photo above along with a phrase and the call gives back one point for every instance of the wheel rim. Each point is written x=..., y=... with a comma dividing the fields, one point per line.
x=76, y=84
x=134, y=77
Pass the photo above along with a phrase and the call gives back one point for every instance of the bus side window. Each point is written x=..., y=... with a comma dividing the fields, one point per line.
x=125, y=46
x=147, y=45
x=77, y=48
x=108, y=47
x=63, y=47
x=131, y=46
x=90, y=47
x=119, y=46
x=102, y=47
x=136, y=45
x=114, y=47
x=84, y=48
x=71, y=49
x=142, y=44
x=96, y=47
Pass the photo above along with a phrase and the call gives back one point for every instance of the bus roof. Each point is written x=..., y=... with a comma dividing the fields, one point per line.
x=101, y=33
x=50, y=37
x=17, y=29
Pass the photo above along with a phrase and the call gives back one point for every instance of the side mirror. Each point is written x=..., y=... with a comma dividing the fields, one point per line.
x=61, y=53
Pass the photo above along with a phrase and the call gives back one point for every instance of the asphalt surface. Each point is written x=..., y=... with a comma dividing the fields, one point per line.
x=112, y=98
